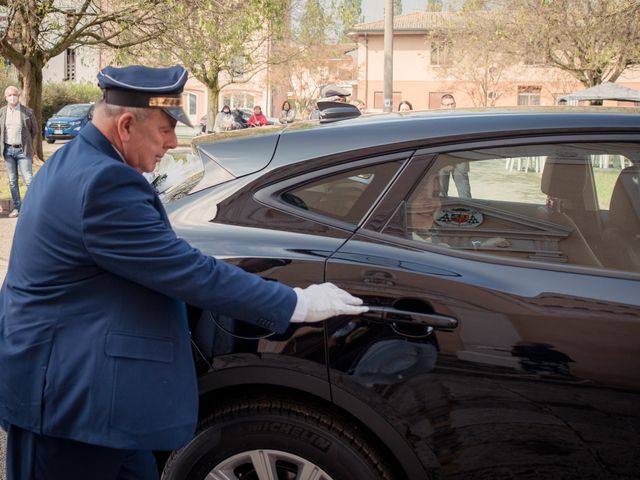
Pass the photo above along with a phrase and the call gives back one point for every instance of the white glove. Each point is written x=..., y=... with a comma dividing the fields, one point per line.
x=321, y=301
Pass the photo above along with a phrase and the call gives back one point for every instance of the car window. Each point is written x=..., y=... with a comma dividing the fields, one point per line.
x=575, y=204
x=75, y=110
x=346, y=196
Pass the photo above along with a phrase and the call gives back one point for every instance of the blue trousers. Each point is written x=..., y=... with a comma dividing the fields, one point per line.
x=38, y=457
x=15, y=160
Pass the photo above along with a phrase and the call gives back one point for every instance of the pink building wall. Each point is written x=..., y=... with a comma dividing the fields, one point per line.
x=416, y=80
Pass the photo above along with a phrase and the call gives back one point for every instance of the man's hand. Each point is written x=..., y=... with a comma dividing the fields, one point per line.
x=321, y=301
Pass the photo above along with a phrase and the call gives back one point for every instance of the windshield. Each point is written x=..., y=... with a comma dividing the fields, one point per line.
x=77, y=110
x=176, y=174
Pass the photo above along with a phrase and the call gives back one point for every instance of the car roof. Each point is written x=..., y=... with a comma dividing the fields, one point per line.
x=73, y=104
x=243, y=152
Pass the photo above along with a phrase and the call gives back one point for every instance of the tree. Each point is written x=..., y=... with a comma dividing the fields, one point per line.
x=350, y=13
x=397, y=7
x=593, y=40
x=477, y=58
x=313, y=24
x=219, y=42
x=38, y=30
x=434, y=6
x=315, y=56
x=471, y=5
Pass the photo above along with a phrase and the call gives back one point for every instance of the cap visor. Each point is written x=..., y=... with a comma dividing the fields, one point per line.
x=178, y=114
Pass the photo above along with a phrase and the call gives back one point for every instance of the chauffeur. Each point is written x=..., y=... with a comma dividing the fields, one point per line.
x=95, y=359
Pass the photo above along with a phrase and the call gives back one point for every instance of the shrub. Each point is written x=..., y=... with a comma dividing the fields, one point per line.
x=57, y=95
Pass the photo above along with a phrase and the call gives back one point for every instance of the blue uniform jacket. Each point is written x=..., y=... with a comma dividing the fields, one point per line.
x=94, y=343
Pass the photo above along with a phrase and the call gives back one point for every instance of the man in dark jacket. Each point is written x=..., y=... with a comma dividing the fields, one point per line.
x=18, y=129
x=95, y=352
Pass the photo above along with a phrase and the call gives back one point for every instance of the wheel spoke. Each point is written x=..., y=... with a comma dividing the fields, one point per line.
x=264, y=465
x=220, y=475
x=309, y=471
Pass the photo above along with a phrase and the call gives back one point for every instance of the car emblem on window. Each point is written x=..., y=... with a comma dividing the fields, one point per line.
x=458, y=217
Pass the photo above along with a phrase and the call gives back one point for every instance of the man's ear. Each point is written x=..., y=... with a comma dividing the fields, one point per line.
x=123, y=126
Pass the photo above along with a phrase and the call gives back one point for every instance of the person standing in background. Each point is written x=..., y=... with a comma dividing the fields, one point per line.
x=257, y=119
x=287, y=114
x=460, y=171
x=405, y=106
x=329, y=93
x=224, y=121
x=447, y=101
x=18, y=129
x=360, y=104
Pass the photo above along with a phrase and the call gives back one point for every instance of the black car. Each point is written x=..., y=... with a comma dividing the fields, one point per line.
x=503, y=337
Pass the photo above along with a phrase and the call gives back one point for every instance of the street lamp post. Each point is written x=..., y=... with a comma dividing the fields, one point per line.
x=388, y=55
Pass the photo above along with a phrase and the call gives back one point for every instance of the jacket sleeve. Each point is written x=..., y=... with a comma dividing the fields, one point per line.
x=217, y=127
x=33, y=124
x=125, y=233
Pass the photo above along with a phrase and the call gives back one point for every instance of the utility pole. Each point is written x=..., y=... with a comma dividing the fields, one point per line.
x=388, y=55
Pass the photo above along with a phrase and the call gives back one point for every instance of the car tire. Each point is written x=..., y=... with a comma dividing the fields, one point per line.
x=288, y=436
x=50, y=140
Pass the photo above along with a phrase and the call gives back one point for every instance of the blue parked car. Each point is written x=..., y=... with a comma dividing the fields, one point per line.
x=66, y=123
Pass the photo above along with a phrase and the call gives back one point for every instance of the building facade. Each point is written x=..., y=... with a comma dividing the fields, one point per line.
x=424, y=69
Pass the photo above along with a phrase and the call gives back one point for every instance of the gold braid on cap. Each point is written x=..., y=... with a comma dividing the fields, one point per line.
x=165, y=101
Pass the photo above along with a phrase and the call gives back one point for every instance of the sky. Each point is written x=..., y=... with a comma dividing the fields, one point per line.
x=374, y=9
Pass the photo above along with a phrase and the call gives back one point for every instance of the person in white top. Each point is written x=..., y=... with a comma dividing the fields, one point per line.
x=18, y=128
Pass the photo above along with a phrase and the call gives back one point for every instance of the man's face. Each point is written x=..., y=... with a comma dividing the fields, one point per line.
x=426, y=202
x=12, y=96
x=448, y=103
x=149, y=140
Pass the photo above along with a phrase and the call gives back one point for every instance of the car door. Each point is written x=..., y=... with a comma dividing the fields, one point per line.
x=503, y=335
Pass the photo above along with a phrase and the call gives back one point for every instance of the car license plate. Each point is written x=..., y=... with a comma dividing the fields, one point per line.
x=57, y=132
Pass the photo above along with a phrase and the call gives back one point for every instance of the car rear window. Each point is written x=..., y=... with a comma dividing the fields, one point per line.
x=574, y=204
x=346, y=196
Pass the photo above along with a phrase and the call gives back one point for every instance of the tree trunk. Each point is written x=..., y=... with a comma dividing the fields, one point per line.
x=31, y=72
x=213, y=92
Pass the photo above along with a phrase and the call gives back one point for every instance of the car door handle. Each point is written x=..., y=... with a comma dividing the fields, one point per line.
x=434, y=320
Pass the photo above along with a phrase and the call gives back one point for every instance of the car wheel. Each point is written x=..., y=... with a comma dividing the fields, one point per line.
x=50, y=140
x=267, y=438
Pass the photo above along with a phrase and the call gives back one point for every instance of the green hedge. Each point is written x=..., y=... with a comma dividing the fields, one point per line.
x=57, y=95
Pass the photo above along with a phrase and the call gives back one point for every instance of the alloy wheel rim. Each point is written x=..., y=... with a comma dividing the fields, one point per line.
x=267, y=465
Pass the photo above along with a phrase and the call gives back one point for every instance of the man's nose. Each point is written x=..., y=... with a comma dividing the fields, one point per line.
x=172, y=141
